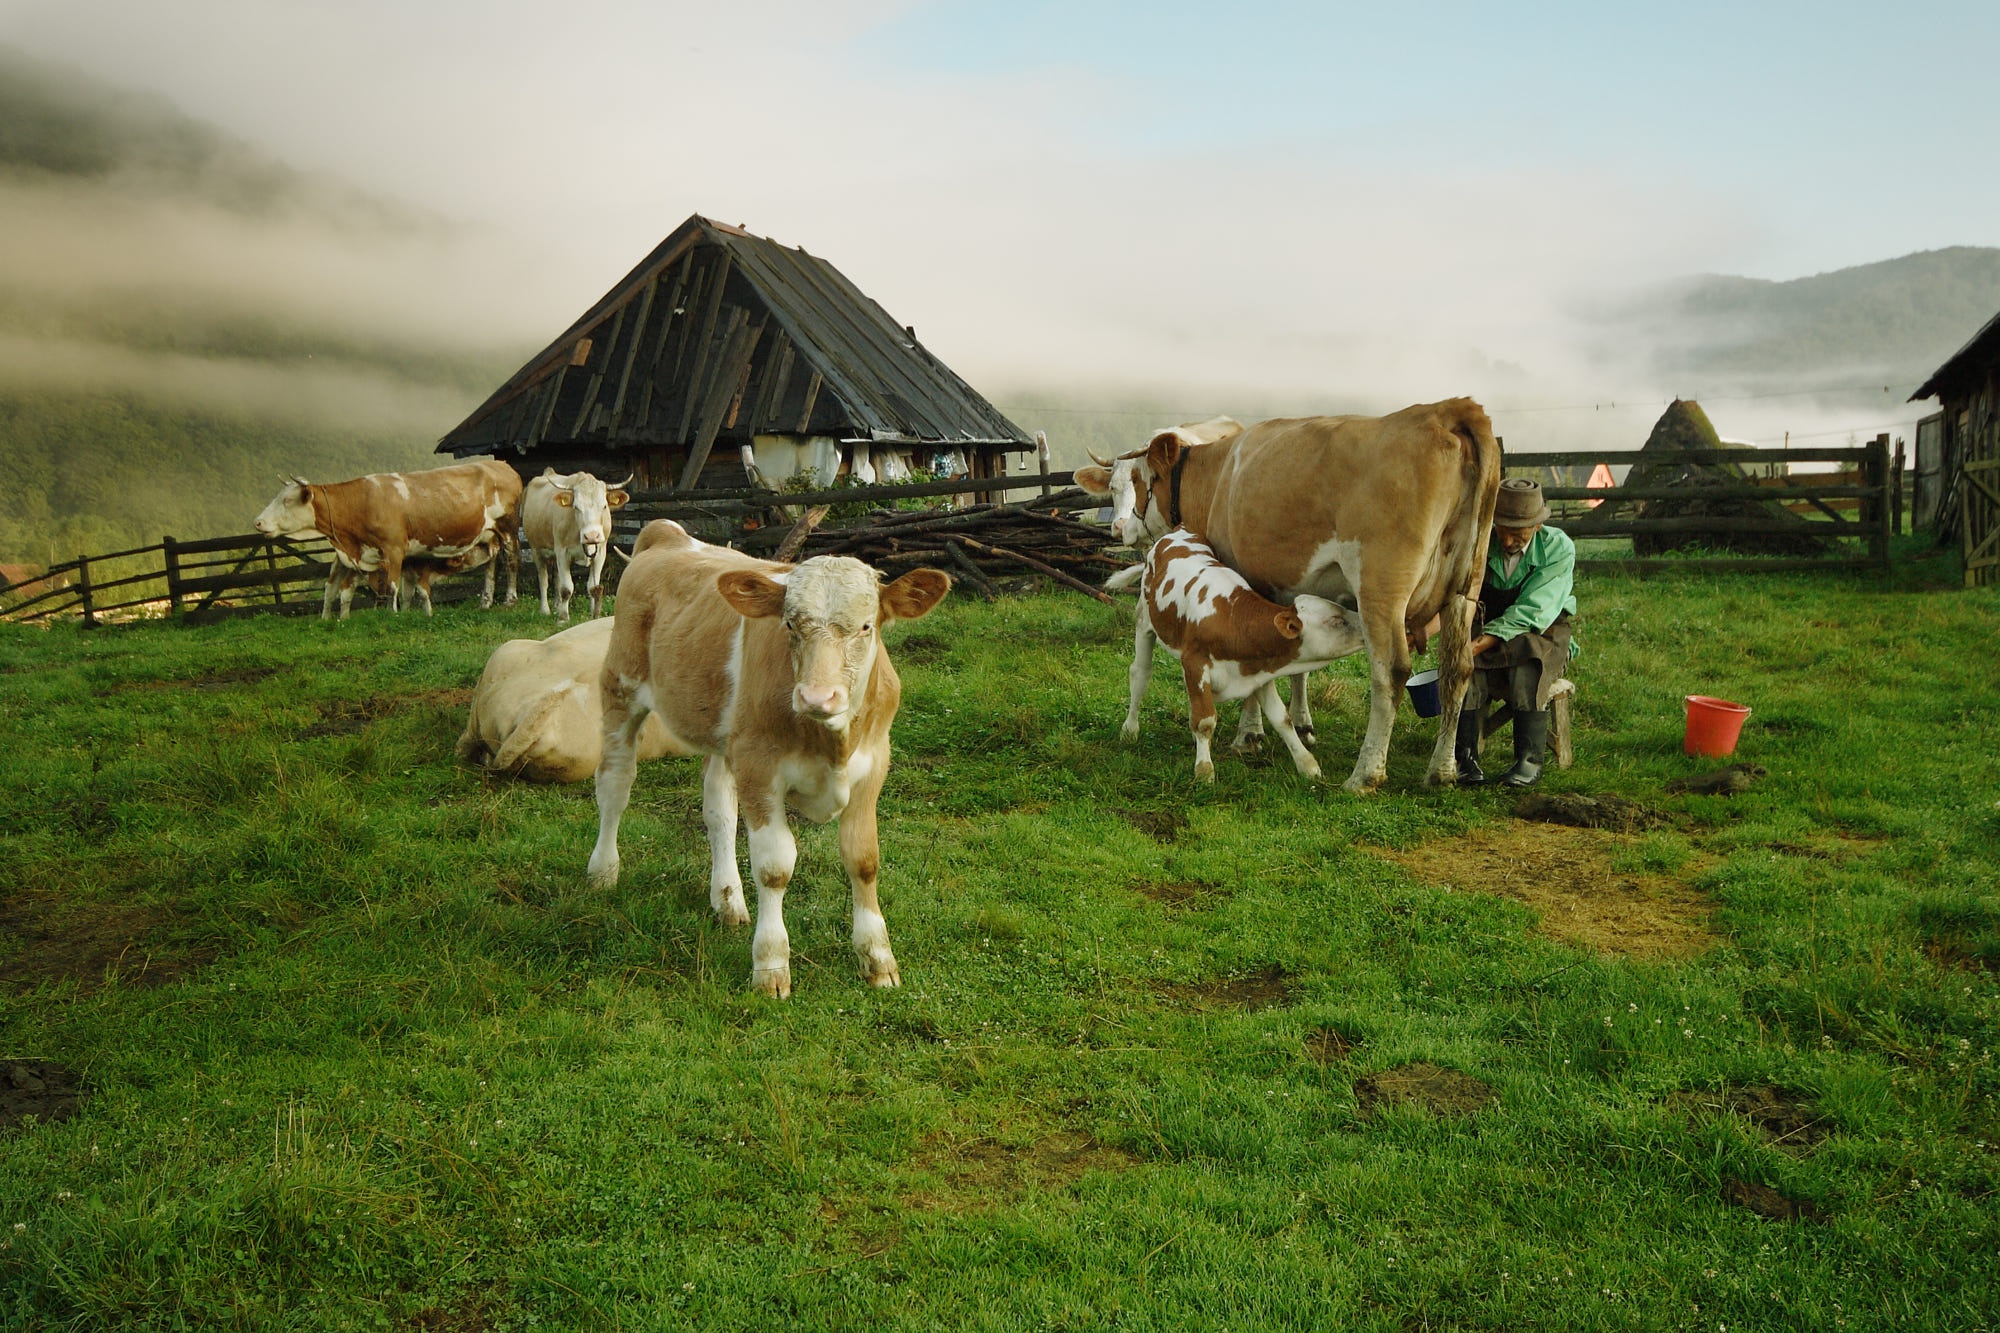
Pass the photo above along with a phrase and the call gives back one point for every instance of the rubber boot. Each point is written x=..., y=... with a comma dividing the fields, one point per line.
x=1531, y=745
x=1469, y=772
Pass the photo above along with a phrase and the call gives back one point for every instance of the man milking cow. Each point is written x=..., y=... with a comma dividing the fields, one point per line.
x=1522, y=643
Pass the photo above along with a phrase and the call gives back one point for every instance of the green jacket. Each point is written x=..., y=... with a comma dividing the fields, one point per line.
x=1546, y=578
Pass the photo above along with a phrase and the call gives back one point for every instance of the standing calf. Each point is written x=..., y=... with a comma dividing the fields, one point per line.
x=1232, y=643
x=778, y=675
x=562, y=518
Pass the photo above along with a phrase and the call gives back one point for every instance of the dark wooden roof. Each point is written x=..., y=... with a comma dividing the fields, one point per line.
x=721, y=335
x=1966, y=363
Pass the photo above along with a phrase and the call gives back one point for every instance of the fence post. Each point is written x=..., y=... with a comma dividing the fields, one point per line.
x=1878, y=468
x=173, y=563
x=1042, y=460
x=271, y=561
x=1896, y=504
x=83, y=590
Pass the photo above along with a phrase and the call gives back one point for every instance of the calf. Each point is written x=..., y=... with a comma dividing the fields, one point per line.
x=536, y=713
x=1232, y=643
x=778, y=675
x=567, y=517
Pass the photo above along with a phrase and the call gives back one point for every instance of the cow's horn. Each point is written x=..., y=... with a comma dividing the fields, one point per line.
x=621, y=485
x=1101, y=462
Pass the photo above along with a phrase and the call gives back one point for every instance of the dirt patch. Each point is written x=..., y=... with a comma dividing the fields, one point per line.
x=1722, y=782
x=214, y=680
x=1329, y=1045
x=1767, y=1202
x=1441, y=1092
x=1960, y=956
x=345, y=717
x=1175, y=893
x=1266, y=988
x=1781, y=1118
x=1567, y=876
x=985, y=1172
x=1159, y=825
x=36, y=1088
x=472, y=1314
x=92, y=944
x=1577, y=810
x=919, y=649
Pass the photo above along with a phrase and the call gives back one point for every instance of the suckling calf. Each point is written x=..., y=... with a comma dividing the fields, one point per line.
x=1231, y=642
x=778, y=674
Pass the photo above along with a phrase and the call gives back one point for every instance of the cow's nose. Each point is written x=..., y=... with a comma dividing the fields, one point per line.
x=821, y=701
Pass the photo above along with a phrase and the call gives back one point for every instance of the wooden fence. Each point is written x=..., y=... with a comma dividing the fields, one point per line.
x=1856, y=509
x=261, y=573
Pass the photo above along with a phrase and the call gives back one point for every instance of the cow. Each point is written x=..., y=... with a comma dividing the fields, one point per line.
x=1391, y=511
x=419, y=571
x=778, y=675
x=570, y=516
x=1231, y=642
x=379, y=521
x=536, y=714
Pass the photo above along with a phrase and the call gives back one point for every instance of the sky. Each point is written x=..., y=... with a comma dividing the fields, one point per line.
x=1207, y=205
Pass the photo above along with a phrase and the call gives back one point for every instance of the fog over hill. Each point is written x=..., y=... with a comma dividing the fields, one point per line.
x=184, y=316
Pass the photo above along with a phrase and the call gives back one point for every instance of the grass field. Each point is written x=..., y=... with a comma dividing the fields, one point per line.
x=356, y=1047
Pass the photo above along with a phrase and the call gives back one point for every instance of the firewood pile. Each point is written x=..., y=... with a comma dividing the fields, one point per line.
x=978, y=545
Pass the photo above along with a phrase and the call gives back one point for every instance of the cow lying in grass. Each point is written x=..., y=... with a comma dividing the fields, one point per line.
x=778, y=674
x=536, y=713
x=1232, y=643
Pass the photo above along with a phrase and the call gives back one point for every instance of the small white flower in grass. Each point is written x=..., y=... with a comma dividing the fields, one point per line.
x=1632, y=1008
x=19, y=1227
x=687, y=1286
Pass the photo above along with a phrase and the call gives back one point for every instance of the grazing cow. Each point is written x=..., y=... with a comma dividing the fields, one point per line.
x=777, y=674
x=1390, y=511
x=1232, y=643
x=379, y=521
x=536, y=713
x=567, y=517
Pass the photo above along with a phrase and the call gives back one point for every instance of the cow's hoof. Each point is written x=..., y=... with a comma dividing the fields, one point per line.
x=1362, y=786
x=603, y=875
x=1309, y=770
x=881, y=973
x=1204, y=772
x=731, y=912
x=1249, y=746
x=775, y=982
x=1305, y=736
x=1129, y=732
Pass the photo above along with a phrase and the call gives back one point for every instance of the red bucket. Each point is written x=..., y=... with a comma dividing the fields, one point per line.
x=1713, y=726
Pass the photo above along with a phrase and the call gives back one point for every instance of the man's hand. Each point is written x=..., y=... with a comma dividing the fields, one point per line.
x=1483, y=642
x=1420, y=638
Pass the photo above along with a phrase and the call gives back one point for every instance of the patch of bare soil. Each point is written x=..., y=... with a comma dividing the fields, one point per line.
x=214, y=680
x=1329, y=1045
x=1781, y=1118
x=1578, y=810
x=919, y=648
x=1159, y=825
x=983, y=1172
x=1266, y=988
x=1175, y=893
x=1441, y=1092
x=1767, y=1202
x=1955, y=954
x=1567, y=877
x=36, y=1088
x=93, y=944
x=472, y=1314
x=345, y=717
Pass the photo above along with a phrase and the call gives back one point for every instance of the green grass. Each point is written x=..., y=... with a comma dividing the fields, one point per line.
x=411, y=1072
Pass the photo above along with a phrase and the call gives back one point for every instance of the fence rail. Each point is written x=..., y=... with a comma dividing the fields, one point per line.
x=177, y=577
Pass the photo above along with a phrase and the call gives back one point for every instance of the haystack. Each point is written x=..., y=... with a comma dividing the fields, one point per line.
x=1770, y=528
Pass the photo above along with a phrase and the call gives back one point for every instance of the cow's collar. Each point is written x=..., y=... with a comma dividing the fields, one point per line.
x=1174, y=491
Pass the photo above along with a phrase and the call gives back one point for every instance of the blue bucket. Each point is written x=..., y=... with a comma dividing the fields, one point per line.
x=1423, y=688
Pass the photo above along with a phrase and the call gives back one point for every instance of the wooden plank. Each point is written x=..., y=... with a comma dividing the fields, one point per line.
x=1746, y=565
x=1778, y=494
x=704, y=342
x=730, y=369
x=1624, y=457
x=888, y=491
x=591, y=390
x=812, y=399
x=632, y=352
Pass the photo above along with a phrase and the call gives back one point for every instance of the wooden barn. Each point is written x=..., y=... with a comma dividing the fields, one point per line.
x=1965, y=437
x=725, y=359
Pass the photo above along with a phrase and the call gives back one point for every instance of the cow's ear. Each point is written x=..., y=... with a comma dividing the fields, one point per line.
x=616, y=499
x=915, y=595
x=1163, y=449
x=752, y=594
x=1096, y=480
x=565, y=499
x=1288, y=622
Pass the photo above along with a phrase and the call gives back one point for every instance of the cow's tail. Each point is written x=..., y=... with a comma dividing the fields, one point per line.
x=529, y=736
x=1125, y=578
x=1479, y=451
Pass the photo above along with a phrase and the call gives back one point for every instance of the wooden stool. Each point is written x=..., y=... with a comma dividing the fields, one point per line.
x=1559, y=704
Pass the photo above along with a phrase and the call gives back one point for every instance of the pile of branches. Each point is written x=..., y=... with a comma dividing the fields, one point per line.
x=977, y=545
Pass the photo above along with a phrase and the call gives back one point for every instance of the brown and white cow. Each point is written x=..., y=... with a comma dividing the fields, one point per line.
x=536, y=713
x=376, y=522
x=1231, y=642
x=1391, y=511
x=569, y=516
x=778, y=674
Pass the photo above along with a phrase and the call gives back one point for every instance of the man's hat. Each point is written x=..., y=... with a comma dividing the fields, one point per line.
x=1520, y=504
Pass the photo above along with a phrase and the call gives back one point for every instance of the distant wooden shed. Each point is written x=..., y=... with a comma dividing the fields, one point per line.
x=726, y=357
x=1967, y=435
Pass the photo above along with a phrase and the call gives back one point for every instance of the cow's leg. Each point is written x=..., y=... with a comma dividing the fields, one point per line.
x=597, y=580
x=1201, y=715
x=773, y=853
x=510, y=543
x=1266, y=701
x=1249, y=730
x=1454, y=675
x=862, y=854
x=1141, y=673
x=1388, y=669
x=565, y=585
x=486, y=587
x=333, y=586
x=392, y=574
x=1301, y=707
x=423, y=581
x=718, y=813
x=623, y=716
x=541, y=576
